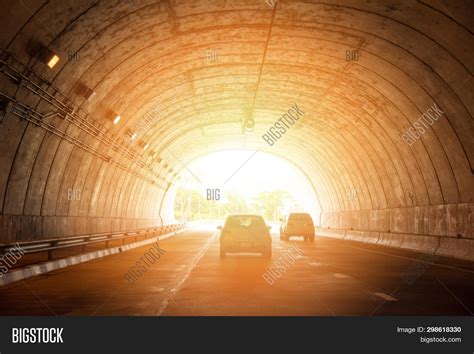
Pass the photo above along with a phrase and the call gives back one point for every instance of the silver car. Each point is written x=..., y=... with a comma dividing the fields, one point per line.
x=297, y=224
x=245, y=233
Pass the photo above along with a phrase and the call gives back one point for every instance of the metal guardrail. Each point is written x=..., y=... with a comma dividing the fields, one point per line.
x=50, y=245
x=62, y=106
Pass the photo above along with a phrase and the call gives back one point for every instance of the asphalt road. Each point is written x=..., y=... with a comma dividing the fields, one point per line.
x=325, y=278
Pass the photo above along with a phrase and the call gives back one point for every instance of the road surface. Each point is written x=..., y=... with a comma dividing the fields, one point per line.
x=327, y=278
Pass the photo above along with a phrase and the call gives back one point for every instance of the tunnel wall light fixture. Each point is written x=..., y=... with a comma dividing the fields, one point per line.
x=134, y=136
x=248, y=125
x=48, y=57
x=86, y=92
x=90, y=95
x=117, y=119
x=146, y=146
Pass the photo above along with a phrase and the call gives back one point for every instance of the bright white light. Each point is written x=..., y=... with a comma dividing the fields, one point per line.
x=117, y=119
x=146, y=146
x=53, y=61
x=241, y=173
x=134, y=136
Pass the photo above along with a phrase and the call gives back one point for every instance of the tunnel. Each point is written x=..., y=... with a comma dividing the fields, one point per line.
x=104, y=104
x=183, y=77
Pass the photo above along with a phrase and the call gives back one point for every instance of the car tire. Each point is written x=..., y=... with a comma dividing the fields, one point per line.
x=223, y=253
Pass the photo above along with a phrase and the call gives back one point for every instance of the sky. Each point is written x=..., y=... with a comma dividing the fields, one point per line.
x=248, y=173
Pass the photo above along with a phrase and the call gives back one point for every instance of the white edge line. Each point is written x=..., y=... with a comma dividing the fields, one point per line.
x=386, y=297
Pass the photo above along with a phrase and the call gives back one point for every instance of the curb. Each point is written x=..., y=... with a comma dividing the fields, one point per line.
x=440, y=245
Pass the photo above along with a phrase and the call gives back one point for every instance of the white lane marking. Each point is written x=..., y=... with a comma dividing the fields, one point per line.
x=301, y=257
x=315, y=264
x=386, y=297
x=341, y=276
x=410, y=258
x=166, y=301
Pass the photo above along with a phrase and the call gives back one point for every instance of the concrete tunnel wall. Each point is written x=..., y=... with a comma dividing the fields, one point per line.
x=184, y=74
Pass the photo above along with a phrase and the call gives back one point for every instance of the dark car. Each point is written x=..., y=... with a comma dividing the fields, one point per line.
x=245, y=233
x=297, y=224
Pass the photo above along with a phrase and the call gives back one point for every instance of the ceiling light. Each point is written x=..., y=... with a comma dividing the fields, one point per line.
x=117, y=119
x=48, y=57
x=146, y=146
x=154, y=155
x=90, y=97
x=53, y=61
x=134, y=135
x=248, y=125
x=85, y=91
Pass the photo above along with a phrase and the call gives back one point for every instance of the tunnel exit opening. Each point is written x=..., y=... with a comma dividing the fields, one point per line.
x=239, y=181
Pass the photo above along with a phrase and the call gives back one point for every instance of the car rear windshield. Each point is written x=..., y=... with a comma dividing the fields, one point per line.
x=300, y=217
x=245, y=221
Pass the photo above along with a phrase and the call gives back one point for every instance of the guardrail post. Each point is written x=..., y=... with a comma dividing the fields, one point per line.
x=50, y=251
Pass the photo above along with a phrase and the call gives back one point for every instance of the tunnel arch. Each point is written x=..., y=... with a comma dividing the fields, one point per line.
x=152, y=56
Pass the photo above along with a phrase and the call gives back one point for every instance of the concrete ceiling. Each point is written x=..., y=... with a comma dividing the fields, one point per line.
x=184, y=75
